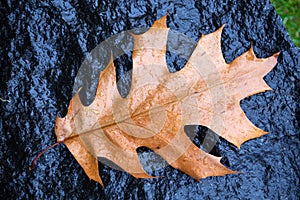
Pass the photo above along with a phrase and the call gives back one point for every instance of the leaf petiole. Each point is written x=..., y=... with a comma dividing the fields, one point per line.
x=41, y=153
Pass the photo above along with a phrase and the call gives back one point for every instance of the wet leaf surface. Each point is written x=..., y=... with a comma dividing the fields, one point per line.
x=159, y=104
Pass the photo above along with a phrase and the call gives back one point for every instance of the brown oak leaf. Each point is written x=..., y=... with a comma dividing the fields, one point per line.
x=207, y=92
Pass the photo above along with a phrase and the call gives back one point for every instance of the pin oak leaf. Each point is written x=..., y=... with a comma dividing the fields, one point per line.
x=207, y=91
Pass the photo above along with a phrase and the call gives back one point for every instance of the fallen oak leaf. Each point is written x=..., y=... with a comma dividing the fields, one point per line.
x=207, y=91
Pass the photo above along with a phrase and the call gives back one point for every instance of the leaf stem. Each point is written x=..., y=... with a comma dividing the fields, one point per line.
x=41, y=153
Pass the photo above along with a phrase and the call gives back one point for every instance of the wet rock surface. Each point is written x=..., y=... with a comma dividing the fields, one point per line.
x=44, y=43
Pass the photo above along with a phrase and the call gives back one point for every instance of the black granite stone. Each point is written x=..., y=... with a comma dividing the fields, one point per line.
x=43, y=44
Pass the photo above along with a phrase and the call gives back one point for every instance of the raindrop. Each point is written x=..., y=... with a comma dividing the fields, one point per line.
x=205, y=161
x=149, y=92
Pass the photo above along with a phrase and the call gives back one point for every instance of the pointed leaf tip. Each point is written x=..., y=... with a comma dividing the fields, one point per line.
x=160, y=23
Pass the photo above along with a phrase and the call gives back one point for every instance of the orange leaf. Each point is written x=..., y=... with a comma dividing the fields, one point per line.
x=207, y=91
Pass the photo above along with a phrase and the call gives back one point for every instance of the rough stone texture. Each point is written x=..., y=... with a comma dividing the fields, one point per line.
x=42, y=47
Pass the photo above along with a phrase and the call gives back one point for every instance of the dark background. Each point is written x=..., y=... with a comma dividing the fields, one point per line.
x=42, y=47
